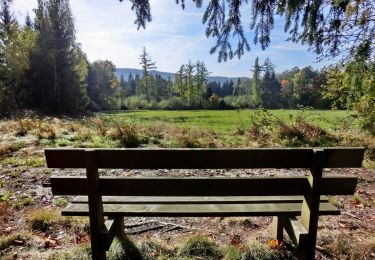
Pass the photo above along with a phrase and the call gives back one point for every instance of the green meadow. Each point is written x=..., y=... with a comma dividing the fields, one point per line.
x=229, y=120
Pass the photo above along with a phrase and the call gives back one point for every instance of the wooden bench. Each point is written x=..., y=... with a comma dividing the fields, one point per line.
x=281, y=197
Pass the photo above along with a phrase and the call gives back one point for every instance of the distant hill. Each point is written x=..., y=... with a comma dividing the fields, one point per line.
x=166, y=75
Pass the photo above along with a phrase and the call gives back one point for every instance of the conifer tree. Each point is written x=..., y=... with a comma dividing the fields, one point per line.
x=270, y=86
x=200, y=80
x=147, y=65
x=179, y=82
x=28, y=22
x=56, y=84
x=189, y=75
x=256, y=92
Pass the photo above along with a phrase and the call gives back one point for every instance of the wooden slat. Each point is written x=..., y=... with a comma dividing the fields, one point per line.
x=196, y=200
x=294, y=228
x=126, y=186
x=204, y=158
x=195, y=210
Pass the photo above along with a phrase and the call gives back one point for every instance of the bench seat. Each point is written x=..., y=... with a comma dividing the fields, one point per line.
x=200, y=208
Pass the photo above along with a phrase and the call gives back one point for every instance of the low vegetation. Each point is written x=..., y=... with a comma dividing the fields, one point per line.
x=44, y=234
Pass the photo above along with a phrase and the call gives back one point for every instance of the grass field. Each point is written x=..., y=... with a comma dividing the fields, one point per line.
x=229, y=120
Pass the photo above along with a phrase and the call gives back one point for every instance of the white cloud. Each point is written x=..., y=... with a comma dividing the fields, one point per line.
x=106, y=30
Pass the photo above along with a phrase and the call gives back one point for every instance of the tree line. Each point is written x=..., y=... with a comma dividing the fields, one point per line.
x=43, y=67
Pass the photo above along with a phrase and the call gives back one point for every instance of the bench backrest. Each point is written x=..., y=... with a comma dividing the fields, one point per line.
x=94, y=159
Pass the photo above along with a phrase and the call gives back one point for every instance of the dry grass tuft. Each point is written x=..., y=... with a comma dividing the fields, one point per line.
x=303, y=133
x=199, y=246
x=46, y=130
x=98, y=123
x=42, y=219
x=23, y=126
x=127, y=134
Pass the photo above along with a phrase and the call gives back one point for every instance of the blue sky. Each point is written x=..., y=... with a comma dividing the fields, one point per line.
x=106, y=30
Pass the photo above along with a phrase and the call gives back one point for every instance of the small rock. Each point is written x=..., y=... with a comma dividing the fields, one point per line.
x=15, y=255
x=19, y=242
x=8, y=229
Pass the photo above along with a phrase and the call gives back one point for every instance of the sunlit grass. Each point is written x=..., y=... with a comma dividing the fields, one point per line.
x=228, y=120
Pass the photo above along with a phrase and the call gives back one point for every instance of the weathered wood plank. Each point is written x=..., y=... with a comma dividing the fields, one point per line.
x=195, y=210
x=204, y=158
x=310, y=205
x=95, y=205
x=108, y=232
x=127, y=186
x=196, y=200
x=294, y=229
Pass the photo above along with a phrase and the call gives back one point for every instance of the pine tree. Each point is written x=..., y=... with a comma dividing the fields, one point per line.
x=200, y=80
x=16, y=44
x=123, y=93
x=180, y=81
x=189, y=74
x=270, y=86
x=147, y=65
x=28, y=22
x=56, y=83
x=132, y=84
x=256, y=91
x=103, y=84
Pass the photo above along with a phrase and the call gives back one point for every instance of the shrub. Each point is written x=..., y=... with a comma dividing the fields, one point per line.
x=257, y=251
x=98, y=122
x=7, y=241
x=123, y=249
x=127, y=134
x=153, y=250
x=135, y=102
x=23, y=126
x=199, y=246
x=10, y=147
x=303, y=133
x=45, y=130
x=24, y=202
x=60, y=202
x=231, y=252
x=78, y=252
x=42, y=219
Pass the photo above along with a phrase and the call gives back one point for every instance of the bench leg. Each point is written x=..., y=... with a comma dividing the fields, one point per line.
x=277, y=227
x=120, y=232
x=97, y=250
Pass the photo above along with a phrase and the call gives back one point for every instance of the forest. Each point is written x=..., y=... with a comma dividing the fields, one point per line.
x=53, y=96
x=44, y=68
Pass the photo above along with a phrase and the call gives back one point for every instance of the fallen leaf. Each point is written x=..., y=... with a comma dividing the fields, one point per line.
x=50, y=243
x=235, y=240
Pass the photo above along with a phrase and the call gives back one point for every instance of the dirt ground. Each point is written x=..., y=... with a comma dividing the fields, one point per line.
x=348, y=236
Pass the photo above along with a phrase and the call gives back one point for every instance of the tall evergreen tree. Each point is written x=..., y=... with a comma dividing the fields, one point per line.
x=256, y=91
x=56, y=83
x=147, y=65
x=270, y=86
x=123, y=93
x=200, y=80
x=28, y=22
x=189, y=75
x=102, y=84
x=179, y=81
